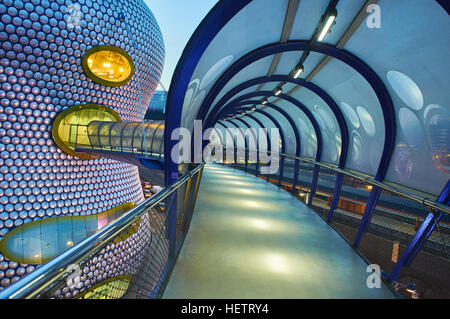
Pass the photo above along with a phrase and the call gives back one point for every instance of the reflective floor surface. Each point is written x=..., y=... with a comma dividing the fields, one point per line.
x=250, y=239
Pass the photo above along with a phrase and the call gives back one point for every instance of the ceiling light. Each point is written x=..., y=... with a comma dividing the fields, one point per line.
x=264, y=101
x=278, y=90
x=298, y=70
x=254, y=108
x=411, y=287
x=327, y=23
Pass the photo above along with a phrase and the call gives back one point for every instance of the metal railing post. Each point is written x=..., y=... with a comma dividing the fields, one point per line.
x=313, y=184
x=368, y=213
x=295, y=176
x=280, y=177
x=336, y=195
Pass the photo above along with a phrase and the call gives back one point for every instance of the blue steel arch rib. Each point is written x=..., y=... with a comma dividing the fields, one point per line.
x=211, y=25
x=296, y=133
x=308, y=85
x=226, y=130
x=351, y=60
x=283, y=143
x=269, y=142
x=255, y=138
x=363, y=69
x=239, y=101
x=245, y=142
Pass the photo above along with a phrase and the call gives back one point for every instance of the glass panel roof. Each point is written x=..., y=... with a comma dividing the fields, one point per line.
x=409, y=54
x=238, y=37
x=414, y=66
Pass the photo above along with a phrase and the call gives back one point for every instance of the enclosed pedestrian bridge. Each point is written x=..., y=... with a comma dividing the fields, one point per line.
x=358, y=94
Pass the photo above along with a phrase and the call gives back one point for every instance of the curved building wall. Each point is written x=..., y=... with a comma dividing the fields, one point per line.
x=41, y=74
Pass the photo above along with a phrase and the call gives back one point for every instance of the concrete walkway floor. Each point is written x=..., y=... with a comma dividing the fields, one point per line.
x=250, y=239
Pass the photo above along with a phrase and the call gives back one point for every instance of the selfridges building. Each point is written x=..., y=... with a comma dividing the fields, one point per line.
x=104, y=57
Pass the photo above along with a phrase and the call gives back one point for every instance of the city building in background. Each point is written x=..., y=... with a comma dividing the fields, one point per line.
x=157, y=108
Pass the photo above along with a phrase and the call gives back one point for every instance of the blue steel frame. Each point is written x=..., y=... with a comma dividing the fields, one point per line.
x=226, y=131
x=445, y=4
x=283, y=143
x=297, y=138
x=422, y=234
x=245, y=143
x=361, y=67
x=216, y=19
x=331, y=104
x=237, y=102
x=255, y=137
x=308, y=85
x=269, y=142
x=351, y=60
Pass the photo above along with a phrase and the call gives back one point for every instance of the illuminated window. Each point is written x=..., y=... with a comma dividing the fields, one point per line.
x=113, y=288
x=108, y=65
x=70, y=127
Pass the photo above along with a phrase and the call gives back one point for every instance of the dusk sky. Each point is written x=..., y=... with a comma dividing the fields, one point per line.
x=177, y=19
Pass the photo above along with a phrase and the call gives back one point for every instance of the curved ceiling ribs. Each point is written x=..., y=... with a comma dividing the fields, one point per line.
x=283, y=141
x=246, y=54
x=225, y=138
x=240, y=101
x=243, y=136
x=308, y=85
x=362, y=68
x=255, y=139
x=295, y=130
x=261, y=125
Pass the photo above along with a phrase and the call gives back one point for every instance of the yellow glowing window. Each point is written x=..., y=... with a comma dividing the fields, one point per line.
x=70, y=127
x=108, y=65
x=113, y=288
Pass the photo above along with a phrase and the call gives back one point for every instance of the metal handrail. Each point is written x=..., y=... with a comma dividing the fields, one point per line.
x=34, y=283
x=431, y=204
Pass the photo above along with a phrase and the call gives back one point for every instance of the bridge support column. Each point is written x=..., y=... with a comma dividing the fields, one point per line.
x=416, y=244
